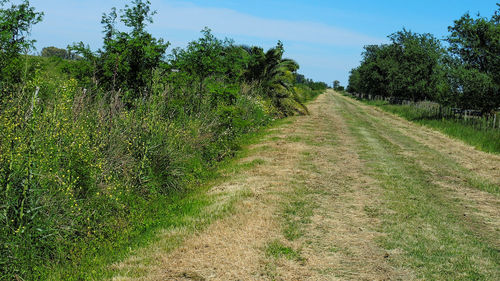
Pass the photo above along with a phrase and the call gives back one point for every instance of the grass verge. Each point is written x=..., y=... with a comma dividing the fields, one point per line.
x=185, y=210
x=428, y=230
x=485, y=140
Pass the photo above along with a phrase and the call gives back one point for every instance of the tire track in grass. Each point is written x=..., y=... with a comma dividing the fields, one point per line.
x=304, y=218
x=347, y=193
x=428, y=226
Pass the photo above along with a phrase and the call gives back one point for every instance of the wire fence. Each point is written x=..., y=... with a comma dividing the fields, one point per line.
x=433, y=110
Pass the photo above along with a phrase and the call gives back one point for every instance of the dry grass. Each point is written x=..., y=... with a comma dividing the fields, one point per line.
x=308, y=176
x=231, y=248
x=338, y=241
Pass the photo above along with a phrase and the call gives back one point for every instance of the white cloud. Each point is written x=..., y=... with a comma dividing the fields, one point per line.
x=189, y=17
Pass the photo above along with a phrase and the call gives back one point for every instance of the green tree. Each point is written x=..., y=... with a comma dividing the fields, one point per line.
x=336, y=84
x=475, y=42
x=473, y=89
x=210, y=67
x=15, y=25
x=128, y=59
x=201, y=59
x=475, y=62
x=419, y=69
x=354, y=81
x=410, y=68
x=374, y=70
x=276, y=76
x=57, y=52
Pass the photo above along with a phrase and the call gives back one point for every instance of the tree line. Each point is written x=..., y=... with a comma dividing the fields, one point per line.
x=463, y=71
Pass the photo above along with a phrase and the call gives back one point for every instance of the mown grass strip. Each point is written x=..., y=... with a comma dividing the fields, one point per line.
x=426, y=228
x=484, y=140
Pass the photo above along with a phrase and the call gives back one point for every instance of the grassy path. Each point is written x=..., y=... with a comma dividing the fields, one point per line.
x=347, y=193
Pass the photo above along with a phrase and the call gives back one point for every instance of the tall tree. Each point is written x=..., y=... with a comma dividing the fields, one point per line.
x=336, y=84
x=475, y=61
x=128, y=59
x=410, y=67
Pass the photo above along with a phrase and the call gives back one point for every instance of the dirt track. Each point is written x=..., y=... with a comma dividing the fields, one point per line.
x=325, y=190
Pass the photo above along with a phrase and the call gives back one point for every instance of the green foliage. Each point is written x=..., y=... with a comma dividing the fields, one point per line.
x=79, y=166
x=475, y=132
x=302, y=81
x=475, y=71
x=337, y=86
x=57, y=52
x=277, y=250
x=473, y=89
x=88, y=144
x=128, y=59
x=407, y=68
x=475, y=42
x=210, y=67
x=275, y=76
x=15, y=24
x=416, y=67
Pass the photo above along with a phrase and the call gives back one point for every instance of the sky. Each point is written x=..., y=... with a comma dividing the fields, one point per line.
x=325, y=37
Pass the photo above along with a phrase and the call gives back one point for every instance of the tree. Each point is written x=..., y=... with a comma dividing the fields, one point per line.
x=475, y=62
x=475, y=42
x=276, y=76
x=128, y=59
x=210, y=67
x=418, y=65
x=354, y=81
x=336, y=84
x=57, y=52
x=202, y=58
x=337, y=87
x=409, y=68
x=15, y=26
x=374, y=70
x=473, y=89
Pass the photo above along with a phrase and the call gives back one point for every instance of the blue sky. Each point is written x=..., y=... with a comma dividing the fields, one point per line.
x=325, y=37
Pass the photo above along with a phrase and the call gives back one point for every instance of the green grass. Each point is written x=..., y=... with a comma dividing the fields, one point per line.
x=426, y=229
x=174, y=211
x=278, y=250
x=296, y=214
x=297, y=207
x=487, y=140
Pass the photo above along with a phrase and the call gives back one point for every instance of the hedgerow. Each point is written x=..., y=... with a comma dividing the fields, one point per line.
x=84, y=149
